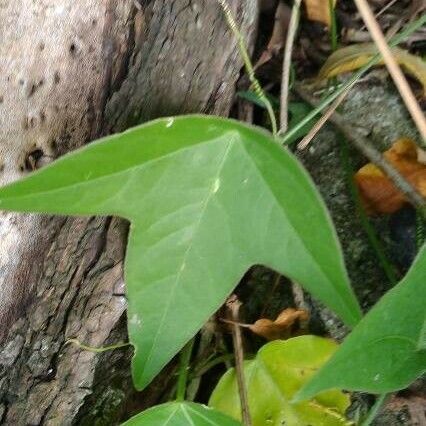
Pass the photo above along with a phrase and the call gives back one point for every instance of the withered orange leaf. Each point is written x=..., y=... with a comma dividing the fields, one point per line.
x=378, y=193
x=281, y=327
x=319, y=10
x=350, y=58
x=278, y=36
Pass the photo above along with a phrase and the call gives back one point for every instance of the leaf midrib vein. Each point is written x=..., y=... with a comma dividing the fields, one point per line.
x=198, y=414
x=188, y=249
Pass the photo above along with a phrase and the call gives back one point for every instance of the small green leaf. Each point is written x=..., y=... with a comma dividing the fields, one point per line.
x=252, y=97
x=207, y=199
x=181, y=414
x=384, y=352
x=274, y=376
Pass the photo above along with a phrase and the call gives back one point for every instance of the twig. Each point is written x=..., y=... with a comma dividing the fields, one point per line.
x=392, y=66
x=367, y=149
x=318, y=125
x=288, y=50
x=299, y=296
x=380, y=12
x=373, y=61
x=233, y=305
x=232, y=322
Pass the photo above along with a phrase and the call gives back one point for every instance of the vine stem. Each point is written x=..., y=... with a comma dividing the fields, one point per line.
x=324, y=118
x=375, y=409
x=185, y=357
x=233, y=305
x=94, y=349
x=333, y=25
x=248, y=65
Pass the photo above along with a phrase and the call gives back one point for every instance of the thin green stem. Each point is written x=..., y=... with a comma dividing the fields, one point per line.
x=221, y=359
x=185, y=357
x=351, y=82
x=97, y=350
x=333, y=25
x=248, y=65
x=375, y=409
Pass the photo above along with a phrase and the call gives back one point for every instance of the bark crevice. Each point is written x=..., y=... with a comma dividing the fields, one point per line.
x=72, y=73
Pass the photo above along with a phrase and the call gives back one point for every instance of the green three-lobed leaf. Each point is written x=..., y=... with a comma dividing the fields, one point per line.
x=207, y=198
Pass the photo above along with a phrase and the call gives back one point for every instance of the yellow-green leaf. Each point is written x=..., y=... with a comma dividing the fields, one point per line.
x=279, y=370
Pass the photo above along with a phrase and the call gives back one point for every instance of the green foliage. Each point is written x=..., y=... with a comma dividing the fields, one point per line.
x=207, y=199
x=252, y=97
x=181, y=414
x=385, y=352
x=413, y=26
x=299, y=110
x=257, y=88
x=274, y=376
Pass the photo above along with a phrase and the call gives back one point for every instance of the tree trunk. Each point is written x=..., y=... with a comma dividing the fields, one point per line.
x=69, y=73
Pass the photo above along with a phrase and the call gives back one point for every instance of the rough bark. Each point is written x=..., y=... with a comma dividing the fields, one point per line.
x=70, y=72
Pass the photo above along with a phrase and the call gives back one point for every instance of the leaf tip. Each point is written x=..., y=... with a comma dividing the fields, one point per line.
x=140, y=377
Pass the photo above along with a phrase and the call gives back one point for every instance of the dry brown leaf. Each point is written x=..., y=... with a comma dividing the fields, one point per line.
x=352, y=57
x=378, y=193
x=319, y=11
x=278, y=36
x=281, y=327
